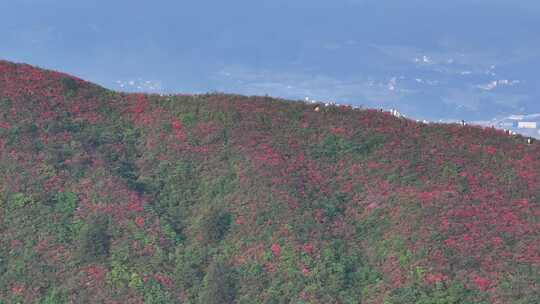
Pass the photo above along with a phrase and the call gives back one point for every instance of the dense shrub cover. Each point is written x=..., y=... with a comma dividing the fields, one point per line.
x=109, y=197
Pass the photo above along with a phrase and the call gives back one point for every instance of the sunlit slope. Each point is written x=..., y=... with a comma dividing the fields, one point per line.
x=108, y=197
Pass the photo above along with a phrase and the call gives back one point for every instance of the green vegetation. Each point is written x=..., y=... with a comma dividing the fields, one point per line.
x=108, y=197
x=94, y=240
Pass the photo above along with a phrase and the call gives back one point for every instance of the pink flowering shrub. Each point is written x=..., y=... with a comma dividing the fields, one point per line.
x=187, y=197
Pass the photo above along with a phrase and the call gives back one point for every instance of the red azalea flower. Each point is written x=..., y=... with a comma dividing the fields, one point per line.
x=176, y=125
x=481, y=283
x=308, y=248
x=276, y=249
x=139, y=221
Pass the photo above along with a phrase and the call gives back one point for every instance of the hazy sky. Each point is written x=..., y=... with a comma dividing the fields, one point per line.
x=431, y=59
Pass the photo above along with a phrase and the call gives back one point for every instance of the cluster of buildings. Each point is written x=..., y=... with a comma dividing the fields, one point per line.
x=327, y=103
x=396, y=113
x=528, y=125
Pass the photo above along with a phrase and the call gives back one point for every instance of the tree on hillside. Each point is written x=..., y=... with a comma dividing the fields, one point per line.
x=215, y=224
x=94, y=240
x=218, y=284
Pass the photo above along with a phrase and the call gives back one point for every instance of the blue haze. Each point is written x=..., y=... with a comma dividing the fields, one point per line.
x=473, y=60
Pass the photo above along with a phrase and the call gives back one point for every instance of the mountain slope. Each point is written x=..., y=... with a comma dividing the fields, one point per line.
x=130, y=198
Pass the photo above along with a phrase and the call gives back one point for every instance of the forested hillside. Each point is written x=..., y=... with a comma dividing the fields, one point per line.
x=109, y=197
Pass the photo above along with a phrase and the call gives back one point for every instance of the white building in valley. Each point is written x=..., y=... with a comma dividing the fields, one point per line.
x=527, y=125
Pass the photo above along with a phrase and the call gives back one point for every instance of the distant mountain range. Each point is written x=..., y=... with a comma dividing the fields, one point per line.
x=408, y=55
